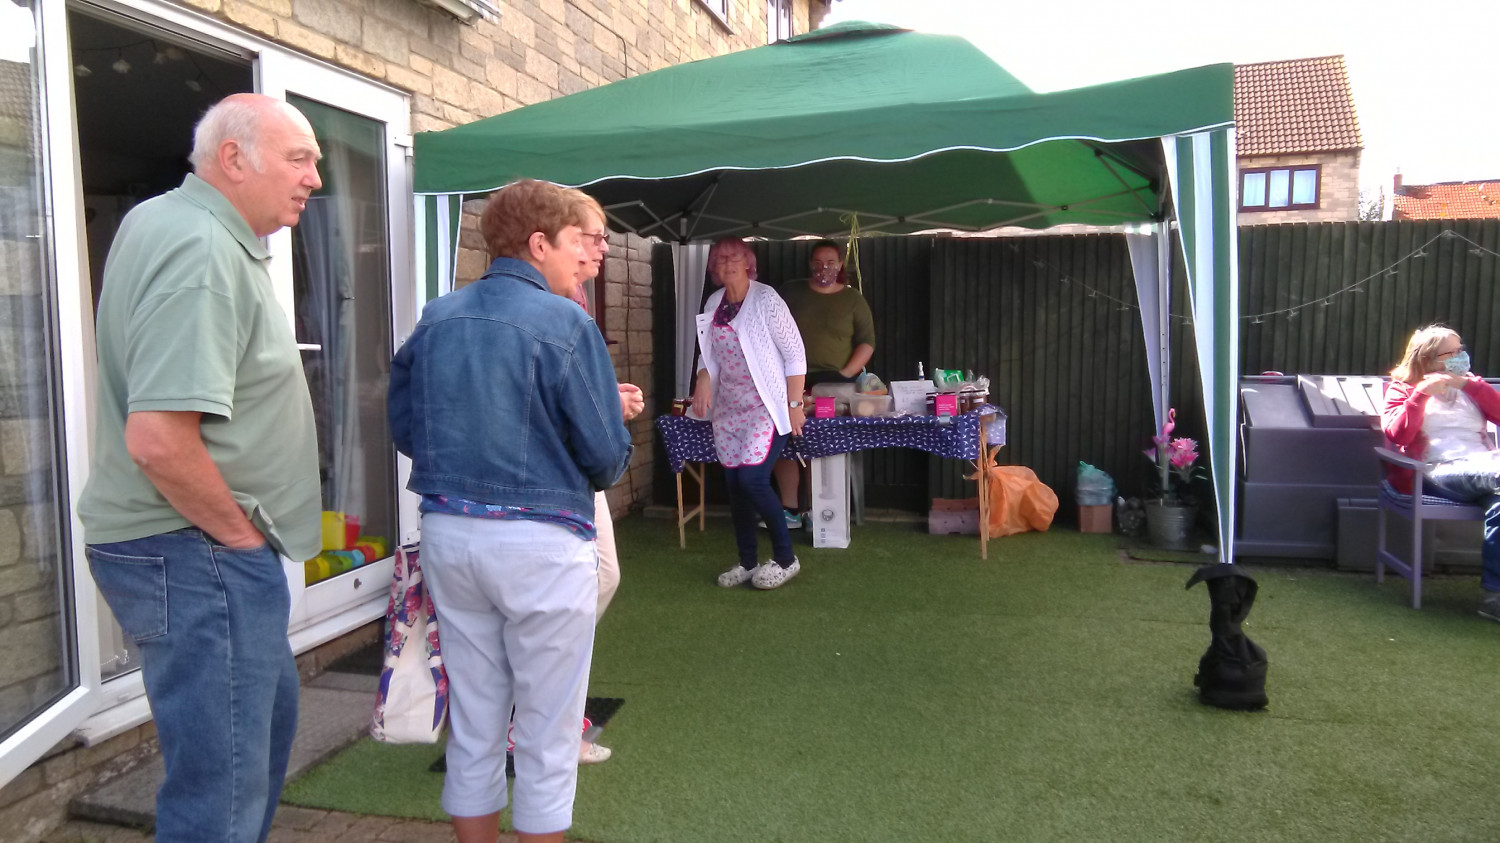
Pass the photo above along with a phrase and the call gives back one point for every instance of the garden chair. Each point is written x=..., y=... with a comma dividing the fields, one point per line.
x=1418, y=509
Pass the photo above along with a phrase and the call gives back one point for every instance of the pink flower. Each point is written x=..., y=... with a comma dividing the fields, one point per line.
x=1182, y=452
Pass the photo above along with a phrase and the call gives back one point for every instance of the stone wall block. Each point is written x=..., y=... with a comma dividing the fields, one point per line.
x=331, y=18
x=569, y=82
x=542, y=69
x=640, y=275
x=248, y=16
x=410, y=80
x=532, y=91
x=427, y=123
x=359, y=60
x=386, y=41
x=501, y=76
x=32, y=606
x=304, y=39
x=471, y=264
x=614, y=295
x=485, y=101
x=30, y=781
x=20, y=268
x=640, y=319
x=457, y=116
x=555, y=9
x=10, y=542
x=469, y=237
x=31, y=649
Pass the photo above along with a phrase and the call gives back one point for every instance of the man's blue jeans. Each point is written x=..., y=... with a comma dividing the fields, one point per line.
x=1476, y=480
x=211, y=624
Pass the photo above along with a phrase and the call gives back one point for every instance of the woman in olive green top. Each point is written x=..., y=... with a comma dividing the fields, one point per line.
x=838, y=333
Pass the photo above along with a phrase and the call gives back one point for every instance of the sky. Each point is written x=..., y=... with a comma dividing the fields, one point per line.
x=1423, y=73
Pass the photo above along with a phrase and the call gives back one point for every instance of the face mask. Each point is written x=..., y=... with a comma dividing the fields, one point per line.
x=1458, y=364
x=825, y=276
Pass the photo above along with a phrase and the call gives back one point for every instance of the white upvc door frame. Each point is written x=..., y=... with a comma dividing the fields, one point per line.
x=65, y=224
x=95, y=710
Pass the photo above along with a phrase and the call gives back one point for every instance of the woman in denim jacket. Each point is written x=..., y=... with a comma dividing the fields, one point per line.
x=506, y=401
x=750, y=385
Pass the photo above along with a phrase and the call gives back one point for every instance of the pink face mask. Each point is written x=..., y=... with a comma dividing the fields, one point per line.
x=826, y=276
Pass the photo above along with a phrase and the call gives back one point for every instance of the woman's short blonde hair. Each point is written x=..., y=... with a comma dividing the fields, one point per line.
x=521, y=208
x=1420, y=358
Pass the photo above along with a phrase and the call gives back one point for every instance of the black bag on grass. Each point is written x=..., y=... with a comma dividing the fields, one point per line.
x=1232, y=673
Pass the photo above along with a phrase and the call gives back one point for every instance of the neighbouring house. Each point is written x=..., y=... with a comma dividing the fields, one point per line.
x=1453, y=200
x=97, y=102
x=1297, y=141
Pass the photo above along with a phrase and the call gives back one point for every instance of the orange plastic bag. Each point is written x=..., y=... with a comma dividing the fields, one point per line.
x=1019, y=501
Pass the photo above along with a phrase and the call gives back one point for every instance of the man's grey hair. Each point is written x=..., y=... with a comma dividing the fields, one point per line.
x=227, y=120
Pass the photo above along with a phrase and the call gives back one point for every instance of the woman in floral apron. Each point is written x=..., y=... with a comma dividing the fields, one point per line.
x=750, y=386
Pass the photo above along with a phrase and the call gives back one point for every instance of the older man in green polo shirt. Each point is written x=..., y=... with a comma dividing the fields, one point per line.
x=205, y=466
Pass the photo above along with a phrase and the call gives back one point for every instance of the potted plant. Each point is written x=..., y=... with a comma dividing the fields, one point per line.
x=1169, y=519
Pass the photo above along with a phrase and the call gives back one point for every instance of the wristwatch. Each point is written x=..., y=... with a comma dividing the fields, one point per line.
x=794, y=404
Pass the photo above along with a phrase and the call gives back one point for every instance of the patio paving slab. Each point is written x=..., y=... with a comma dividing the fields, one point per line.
x=334, y=711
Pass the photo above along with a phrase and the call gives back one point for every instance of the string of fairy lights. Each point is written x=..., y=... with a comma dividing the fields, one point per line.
x=1390, y=272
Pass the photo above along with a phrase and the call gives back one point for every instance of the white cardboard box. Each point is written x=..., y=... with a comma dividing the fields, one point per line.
x=830, y=501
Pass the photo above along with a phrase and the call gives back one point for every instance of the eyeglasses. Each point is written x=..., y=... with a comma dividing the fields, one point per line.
x=1444, y=355
x=727, y=257
x=599, y=240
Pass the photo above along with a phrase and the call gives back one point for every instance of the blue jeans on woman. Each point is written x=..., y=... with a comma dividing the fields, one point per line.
x=750, y=494
x=211, y=623
x=1476, y=480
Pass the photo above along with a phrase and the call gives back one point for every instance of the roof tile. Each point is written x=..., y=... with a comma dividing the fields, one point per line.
x=1447, y=200
x=1294, y=106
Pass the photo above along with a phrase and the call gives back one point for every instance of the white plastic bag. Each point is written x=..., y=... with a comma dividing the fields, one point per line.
x=411, y=705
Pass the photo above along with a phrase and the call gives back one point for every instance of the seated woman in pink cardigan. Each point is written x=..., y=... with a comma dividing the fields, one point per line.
x=1436, y=410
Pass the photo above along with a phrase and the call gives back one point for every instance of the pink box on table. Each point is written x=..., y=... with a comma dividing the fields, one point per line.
x=824, y=406
x=945, y=404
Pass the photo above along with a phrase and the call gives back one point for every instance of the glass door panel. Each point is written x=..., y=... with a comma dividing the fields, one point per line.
x=342, y=314
x=42, y=691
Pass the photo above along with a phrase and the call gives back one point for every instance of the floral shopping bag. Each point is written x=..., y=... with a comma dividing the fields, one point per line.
x=411, y=705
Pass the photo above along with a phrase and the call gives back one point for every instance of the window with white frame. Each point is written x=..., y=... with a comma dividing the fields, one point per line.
x=1279, y=188
x=719, y=8
x=778, y=20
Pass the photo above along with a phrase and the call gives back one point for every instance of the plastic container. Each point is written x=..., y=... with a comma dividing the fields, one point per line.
x=871, y=405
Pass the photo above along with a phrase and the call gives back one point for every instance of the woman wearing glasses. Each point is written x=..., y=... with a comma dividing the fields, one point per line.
x=1436, y=411
x=750, y=386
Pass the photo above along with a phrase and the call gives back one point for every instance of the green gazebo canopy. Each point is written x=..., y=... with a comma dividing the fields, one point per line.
x=904, y=132
x=901, y=127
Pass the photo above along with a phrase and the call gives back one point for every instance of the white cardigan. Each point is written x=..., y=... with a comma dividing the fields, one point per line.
x=770, y=340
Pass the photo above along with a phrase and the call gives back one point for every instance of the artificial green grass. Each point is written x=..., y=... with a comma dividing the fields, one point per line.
x=903, y=689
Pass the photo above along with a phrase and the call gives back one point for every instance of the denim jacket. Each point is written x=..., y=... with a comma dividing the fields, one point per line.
x=505, y=394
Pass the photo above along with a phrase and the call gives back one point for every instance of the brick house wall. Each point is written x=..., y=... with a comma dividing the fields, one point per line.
x=455, y=73
x=1338, y=187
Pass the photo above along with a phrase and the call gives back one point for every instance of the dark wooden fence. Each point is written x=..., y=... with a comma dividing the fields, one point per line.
x=1053, y=321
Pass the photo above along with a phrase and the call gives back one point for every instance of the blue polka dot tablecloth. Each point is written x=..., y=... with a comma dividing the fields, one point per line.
x=955, y=437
